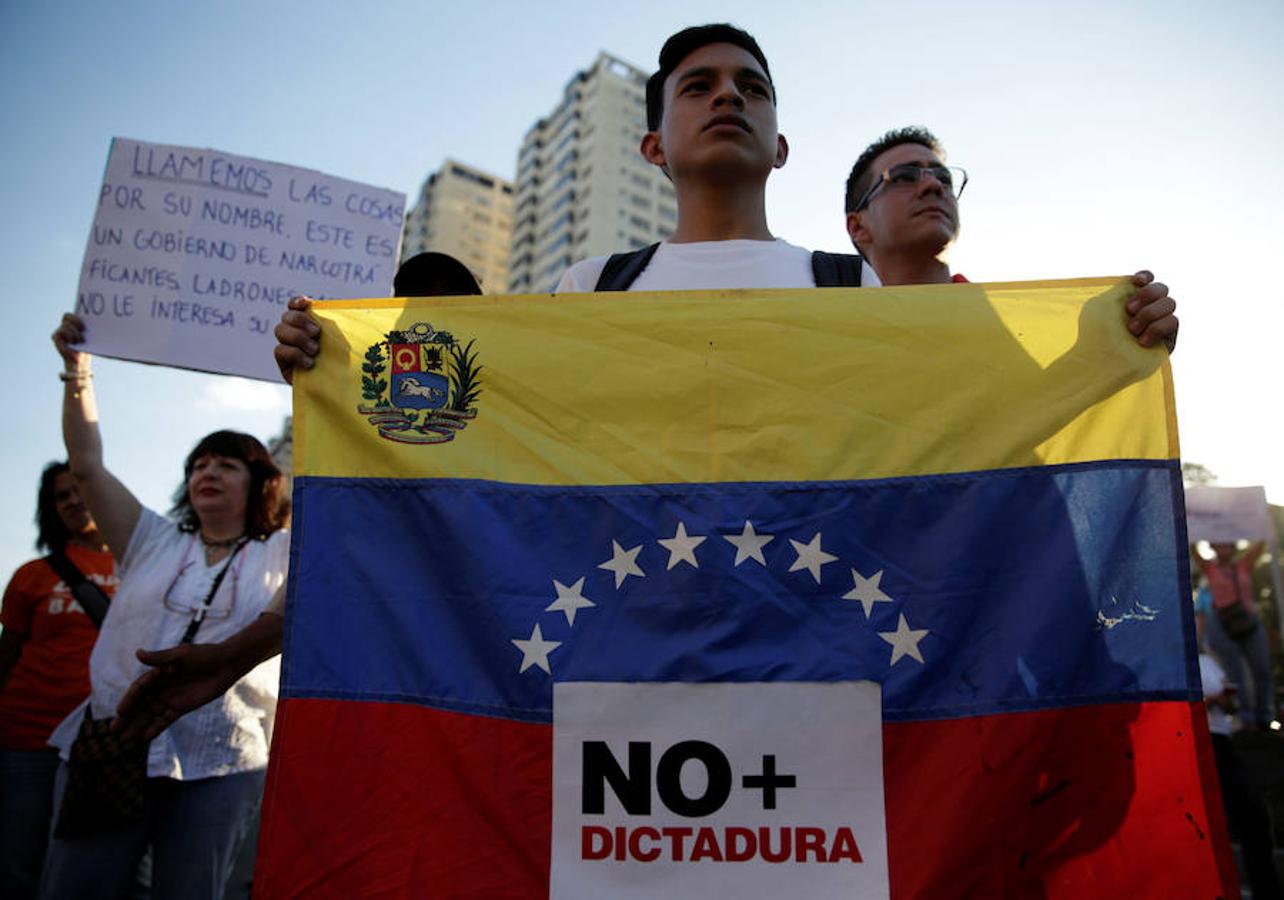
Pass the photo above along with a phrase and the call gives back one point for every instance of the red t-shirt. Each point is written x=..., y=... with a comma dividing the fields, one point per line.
x=51, y=676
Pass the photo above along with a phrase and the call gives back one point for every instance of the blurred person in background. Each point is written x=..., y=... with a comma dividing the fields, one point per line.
x=1245, y=812
x=44, y=667
x=1235, y=631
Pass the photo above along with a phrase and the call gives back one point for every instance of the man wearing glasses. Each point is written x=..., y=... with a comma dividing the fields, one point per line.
x=902, y=213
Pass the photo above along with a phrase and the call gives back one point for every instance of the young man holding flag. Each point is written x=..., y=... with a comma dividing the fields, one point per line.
x=712, y=127
x=711, y=117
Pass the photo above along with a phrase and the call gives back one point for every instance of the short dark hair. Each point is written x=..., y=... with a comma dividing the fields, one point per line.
x=51, y=534
x=683, y=44
x=266, y=511
x=860, y=179
x=433, y=275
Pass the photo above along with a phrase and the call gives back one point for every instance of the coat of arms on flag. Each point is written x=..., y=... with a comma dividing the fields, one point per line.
x=896, y=607
x=431, y=390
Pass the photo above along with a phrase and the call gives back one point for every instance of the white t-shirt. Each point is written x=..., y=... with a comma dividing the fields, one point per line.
x=707, y=265
x=868, y=277
x=163, y=579
x=1214, y=681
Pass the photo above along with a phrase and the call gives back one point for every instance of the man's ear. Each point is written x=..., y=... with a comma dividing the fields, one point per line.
x=782, y=151
x=652, y=150
x=856, y=229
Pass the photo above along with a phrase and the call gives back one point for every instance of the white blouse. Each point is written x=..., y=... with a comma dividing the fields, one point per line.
x=163, y=581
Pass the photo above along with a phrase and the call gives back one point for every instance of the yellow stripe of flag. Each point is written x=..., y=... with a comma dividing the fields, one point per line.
x=636, y=388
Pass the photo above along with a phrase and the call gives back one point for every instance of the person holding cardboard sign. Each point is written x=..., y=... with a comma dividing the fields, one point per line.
x=192, y=793
x=183, y=678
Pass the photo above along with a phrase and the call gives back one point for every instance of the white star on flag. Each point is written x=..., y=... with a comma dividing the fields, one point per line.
x=749, y=544
x=904, y=640
x=623, y=563
x=535, y=651
x=681, y=547
x=867, y=591
x=810, y=557
x=569, y=599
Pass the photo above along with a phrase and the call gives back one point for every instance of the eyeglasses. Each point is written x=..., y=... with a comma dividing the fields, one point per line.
x=198, y=610
x=952, y=178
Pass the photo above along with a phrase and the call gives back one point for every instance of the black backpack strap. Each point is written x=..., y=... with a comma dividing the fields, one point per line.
x=622, y=269
x=89, y=595
x=836, y=269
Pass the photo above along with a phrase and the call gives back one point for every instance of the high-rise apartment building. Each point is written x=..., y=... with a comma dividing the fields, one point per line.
x=467, y=213
x=583, y=188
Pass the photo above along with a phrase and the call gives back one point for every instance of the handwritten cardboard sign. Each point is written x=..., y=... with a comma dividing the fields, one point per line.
x=194, y=253
x=1227, y=514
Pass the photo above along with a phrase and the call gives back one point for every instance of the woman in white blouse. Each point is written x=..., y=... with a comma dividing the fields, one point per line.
x=202, y=575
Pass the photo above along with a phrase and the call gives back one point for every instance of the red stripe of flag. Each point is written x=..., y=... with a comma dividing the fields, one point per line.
x=398, y=800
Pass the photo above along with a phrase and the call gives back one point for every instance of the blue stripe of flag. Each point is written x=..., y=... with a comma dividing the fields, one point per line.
x=1036, y=588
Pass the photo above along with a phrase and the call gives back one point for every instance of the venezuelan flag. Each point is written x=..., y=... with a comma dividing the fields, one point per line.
x=968, y=494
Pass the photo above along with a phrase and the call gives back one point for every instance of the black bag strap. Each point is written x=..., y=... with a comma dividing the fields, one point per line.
x=199, y=615
x=89, y=595
x=836, y=269
x=622, y=269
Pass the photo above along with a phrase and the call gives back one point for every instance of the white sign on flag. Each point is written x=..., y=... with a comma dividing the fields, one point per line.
x=194, y=253
x=718, y=790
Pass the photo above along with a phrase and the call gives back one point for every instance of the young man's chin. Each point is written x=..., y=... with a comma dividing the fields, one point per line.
x=726, y=164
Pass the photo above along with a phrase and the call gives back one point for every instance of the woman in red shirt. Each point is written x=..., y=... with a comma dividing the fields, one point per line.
x=1235, y=631
x=44, y=672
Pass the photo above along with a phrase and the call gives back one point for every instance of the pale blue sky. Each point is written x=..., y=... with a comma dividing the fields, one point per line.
x=1100, y=138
